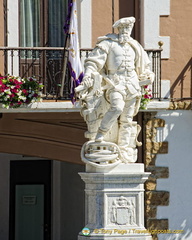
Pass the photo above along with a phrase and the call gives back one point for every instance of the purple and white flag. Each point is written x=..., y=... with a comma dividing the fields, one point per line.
x=74, y=63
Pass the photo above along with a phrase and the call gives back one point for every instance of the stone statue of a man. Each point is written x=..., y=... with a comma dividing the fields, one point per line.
x=124, y=67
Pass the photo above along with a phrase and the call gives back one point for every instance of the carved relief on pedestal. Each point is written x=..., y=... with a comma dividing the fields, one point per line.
x=122, y=211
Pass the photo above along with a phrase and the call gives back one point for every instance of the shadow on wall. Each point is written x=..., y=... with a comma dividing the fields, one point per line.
x=182, y=87
x=185, y=234
x=177, y=132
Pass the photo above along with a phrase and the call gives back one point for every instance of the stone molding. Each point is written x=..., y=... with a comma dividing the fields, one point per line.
x=180, y=105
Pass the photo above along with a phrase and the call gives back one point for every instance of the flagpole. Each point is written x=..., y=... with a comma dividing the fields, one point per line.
x=113, y=7
x=65, y=60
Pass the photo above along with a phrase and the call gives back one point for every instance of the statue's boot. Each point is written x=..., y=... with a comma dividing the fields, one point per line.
x=125, y=130
x=99, y=137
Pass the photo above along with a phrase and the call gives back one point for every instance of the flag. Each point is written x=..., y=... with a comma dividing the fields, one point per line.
x=74, y=61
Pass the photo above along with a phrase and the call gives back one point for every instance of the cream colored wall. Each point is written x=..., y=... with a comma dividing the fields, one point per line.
x=178, y=26
x=102, y=20
x=102, y=17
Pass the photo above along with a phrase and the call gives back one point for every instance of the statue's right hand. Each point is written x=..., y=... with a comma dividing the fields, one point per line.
x=84, y=86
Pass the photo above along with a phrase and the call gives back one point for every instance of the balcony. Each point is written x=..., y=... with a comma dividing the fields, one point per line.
x=46, y=65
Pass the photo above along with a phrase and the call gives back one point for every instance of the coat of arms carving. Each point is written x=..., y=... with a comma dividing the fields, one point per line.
x=123, y=211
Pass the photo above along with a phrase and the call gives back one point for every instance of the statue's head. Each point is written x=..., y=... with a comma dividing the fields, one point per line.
x=124, y=26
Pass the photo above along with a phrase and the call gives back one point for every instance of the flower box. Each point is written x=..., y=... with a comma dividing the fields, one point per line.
x=16, y=91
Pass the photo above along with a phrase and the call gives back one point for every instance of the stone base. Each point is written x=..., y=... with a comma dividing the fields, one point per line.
x=120, y=168
x=115, y=203
x=116, y=237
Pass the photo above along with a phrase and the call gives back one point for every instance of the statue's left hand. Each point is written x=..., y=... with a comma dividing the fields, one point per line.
x=146, y=78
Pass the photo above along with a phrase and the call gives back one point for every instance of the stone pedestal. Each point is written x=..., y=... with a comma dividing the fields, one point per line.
x=115, y=203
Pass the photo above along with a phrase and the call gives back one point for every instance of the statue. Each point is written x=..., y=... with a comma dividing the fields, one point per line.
x=110, y=96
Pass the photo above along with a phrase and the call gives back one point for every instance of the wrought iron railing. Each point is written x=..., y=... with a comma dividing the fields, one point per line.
x=46, y=64
x=155, y=57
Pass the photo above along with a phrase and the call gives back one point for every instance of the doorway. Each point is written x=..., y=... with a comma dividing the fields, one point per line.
x=30, y=200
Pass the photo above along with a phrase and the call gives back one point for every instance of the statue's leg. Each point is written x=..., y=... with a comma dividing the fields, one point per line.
x=125, y=127
x=116, y=108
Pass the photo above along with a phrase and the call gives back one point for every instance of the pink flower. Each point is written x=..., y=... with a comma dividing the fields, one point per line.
x=24, y=91
x=17, y=82
x=14, y=90
x=3, y=86
x=17, y=86
x=146, y=96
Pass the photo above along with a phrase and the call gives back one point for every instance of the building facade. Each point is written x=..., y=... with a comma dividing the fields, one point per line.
x=40, y=144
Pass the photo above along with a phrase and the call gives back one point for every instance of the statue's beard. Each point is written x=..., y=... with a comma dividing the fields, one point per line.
x=124, y=38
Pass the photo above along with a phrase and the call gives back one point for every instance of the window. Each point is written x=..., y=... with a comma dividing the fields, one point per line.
x=41, y=22
x=41, y=25
x=29, y=23
x=57, y=14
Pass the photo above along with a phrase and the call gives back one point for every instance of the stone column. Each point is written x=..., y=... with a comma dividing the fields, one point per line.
x=115, y=203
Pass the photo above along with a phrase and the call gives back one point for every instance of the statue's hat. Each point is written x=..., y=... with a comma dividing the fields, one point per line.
x=123, y=22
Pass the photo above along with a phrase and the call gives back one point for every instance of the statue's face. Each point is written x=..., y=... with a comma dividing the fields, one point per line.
x=126, y=29
x=125, y=33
